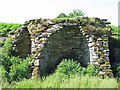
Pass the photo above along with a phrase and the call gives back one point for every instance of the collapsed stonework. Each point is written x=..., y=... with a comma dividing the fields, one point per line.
x=49, y=41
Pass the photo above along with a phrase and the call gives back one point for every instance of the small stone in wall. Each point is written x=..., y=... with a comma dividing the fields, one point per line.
x=37, y=62
x=35, y=71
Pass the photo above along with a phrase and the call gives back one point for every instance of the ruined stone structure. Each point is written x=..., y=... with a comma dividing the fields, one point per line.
x=49, y=41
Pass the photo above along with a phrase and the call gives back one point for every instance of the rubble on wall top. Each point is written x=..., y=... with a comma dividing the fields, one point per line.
x=80, y=20
x=94, y=25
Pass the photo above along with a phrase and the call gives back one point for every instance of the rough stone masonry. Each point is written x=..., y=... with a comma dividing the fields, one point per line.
x=49, y=41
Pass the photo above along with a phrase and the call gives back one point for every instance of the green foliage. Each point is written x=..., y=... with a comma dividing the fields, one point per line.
x=8, y=28
x=93, y=70
x=117, y=38
x=118, y=70
x=15, y=60
x=62, y=15
x=68, y=67
x=115, y=29
x=19, y=69
x=114, y=68
x=14, y=68
x=7, y=48
x=6, y=53
x=14, y=28
x=1, y=42
x=74, y=81
x=4, y=73
x=75, y=13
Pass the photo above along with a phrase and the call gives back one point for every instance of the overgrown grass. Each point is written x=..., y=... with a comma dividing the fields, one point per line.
x=74, y=81
x=69, y=78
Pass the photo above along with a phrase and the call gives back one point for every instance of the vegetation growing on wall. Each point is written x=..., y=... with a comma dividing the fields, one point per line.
x=74, y=14
x=96, y=26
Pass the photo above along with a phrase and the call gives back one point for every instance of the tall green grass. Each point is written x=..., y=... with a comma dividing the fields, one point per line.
x=74, y=81
x=69, y=74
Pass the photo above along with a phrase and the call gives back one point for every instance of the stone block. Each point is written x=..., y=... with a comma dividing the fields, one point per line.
x=31, y=63
x=105, y=66
x=91, y=39
x=105, y=38
x=99, y=50
x=33, y=50
x=107, y=70
x=39, y=54
x=99, y=39
x=105, y=46
x=104, y=35
x=91, y=44
x=107, y=63
x=35, y=72
x=49, y=22
x=37, y=62
x=95, y=56
x=106, y=55
x=96, y=59
x=40, y=45
x=101, y=61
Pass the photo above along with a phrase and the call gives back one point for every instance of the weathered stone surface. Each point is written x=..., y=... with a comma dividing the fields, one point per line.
x=50, y=41
x=35, y=71
x=37, y=62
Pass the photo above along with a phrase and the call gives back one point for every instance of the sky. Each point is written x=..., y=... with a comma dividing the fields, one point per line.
x=18, y=11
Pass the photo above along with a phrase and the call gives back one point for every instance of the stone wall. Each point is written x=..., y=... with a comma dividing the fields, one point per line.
x=68, y=42
x=82, y=39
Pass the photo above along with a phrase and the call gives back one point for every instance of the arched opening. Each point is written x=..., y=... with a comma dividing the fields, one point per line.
x=23, y=45
x=68, y=43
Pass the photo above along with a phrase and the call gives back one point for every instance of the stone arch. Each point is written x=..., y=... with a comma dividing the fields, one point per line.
x=54, y=40
x=68, y=43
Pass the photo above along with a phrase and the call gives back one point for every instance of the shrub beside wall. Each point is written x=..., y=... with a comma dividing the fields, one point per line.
x=68, y=67
x=13, y=68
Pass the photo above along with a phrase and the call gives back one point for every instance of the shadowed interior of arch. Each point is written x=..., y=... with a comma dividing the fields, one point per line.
x=23, y=45
x=68, y=43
